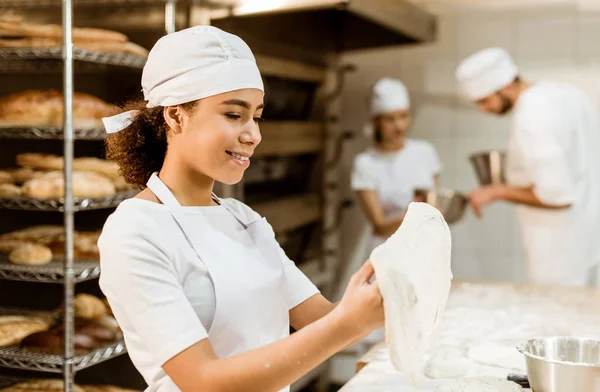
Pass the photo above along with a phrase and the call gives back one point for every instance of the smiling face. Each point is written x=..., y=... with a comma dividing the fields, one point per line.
x=392, y=126
x=217, y=137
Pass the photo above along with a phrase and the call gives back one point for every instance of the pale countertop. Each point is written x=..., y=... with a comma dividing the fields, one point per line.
x=481, y=313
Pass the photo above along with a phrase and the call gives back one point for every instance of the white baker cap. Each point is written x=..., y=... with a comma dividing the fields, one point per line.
x=192, y=64
x=485, y=73
x=388, y=95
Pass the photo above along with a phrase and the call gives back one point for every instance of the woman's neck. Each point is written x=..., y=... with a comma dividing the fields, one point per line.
x=395, y=145
x=189, y=187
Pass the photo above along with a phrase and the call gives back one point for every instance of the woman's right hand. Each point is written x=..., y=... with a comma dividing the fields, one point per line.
x=361, y=307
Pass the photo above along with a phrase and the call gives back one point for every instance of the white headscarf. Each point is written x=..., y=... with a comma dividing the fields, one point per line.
x=192, y=64
x=485, y=73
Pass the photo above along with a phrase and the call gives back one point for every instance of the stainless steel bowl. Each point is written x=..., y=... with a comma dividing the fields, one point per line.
x=452, y=204
x=489, y=167
x=562, y=364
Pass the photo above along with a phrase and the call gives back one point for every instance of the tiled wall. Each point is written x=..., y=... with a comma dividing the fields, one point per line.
x=550, y=44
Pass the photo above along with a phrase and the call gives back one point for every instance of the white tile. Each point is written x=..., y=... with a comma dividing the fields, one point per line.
x=439, y=77
x=481, y=31
x=588, y=31
x=413, y=77
x=435, y=121
x=446, y=149
x=549, y=35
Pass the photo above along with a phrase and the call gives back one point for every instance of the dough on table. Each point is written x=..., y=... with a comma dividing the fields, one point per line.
x=502, y=354
x=414, y=275
x=448, y=362
x=480, y=384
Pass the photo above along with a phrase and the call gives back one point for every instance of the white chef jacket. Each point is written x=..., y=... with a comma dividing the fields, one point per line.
x=396, y=175
x=554, y=146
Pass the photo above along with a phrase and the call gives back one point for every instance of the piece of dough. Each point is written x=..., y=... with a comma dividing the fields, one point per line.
x=448, y=362
x=414, y=275
x=481, y=384
x=499, y=354
x=85, y=184
x=31, y=255
x=10, y=190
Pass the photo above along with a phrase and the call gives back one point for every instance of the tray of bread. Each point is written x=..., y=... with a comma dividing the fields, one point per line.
x=38, y=114
x=15, y=384
x=34, y=340
x=38, y=184
x=36, y=253
x=23, y=40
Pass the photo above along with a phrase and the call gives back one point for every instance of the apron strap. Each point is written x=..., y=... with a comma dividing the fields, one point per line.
x=237, y=216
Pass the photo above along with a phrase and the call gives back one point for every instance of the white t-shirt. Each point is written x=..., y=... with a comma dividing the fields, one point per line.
x=553, y=147
x=159, y=290
x=396, y=175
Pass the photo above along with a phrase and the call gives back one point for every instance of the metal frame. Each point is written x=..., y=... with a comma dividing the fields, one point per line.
x=78, y=203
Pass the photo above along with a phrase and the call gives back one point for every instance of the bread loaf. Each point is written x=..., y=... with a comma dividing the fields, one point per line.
x=10, y=190
x=31, y=254
x=41, y=385
x=13, y=329
x=89, y=307
x=22, y=29
x=85, y=184
x=6, y=177
x=54, y=162
x=44, y=108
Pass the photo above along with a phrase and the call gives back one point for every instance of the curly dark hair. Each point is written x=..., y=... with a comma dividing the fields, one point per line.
x=140, y=148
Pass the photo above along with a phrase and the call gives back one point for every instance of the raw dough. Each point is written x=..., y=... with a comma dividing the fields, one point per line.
x=414, y=275
x=481, y=384
x=503, y=354
x=448, y=362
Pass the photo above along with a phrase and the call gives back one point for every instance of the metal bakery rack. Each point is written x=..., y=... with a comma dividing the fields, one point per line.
x=66, y=271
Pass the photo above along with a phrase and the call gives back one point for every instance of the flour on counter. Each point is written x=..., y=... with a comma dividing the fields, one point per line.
x=502, y=354
x=481, y=384
x=448, y=362
x=414, y=275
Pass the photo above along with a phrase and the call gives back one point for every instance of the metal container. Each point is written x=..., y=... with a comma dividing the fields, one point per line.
x=452, y=204
x=489, y=167
x=562, y=364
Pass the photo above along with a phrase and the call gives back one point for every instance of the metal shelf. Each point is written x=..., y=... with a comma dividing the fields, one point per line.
x=12, y=59
x=79, y=204
x=50, y=273
x=50, y=133
x=57, y=3
x=17, y=358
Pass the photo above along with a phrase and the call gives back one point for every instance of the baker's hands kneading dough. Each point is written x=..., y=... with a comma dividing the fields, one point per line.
x=361, y=308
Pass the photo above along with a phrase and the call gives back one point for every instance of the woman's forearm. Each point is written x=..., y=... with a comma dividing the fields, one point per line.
x=386, y=227
x=273, y=367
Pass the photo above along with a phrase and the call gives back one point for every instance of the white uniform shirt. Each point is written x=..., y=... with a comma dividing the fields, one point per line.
x=554, y=146
x=396, y=175
x=159, y=290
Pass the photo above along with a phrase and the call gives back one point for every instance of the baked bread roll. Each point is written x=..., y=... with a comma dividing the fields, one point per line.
x=13, y=329
x=88, y=307
x=105, y=388
x=39, y=233
x=85, y=184
x=21, y=29
x=24, y=174
x=53, y=342
x=10, y=190
x=41, y=385
x=91, y=45
x=44, y=108
x=6, y=177
x=31, y=254
x=9, y=245
x=54, y=162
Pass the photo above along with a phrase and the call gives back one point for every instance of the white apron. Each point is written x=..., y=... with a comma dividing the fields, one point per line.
x=251, y=310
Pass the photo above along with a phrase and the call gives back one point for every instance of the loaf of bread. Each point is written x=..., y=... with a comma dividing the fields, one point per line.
x=31, y=254
x=44, y=108
x=39, y=161
x=105, y=388
x=17, y=28
x=39, y=233
x=10, y=190
x=89, y=307
x=13, y=329
x=24, y=174
x=85, y=184
x=84, y=44
x=6, y=177
x=41, y=385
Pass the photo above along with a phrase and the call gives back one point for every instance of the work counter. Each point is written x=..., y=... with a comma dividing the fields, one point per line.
x=481, y=327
